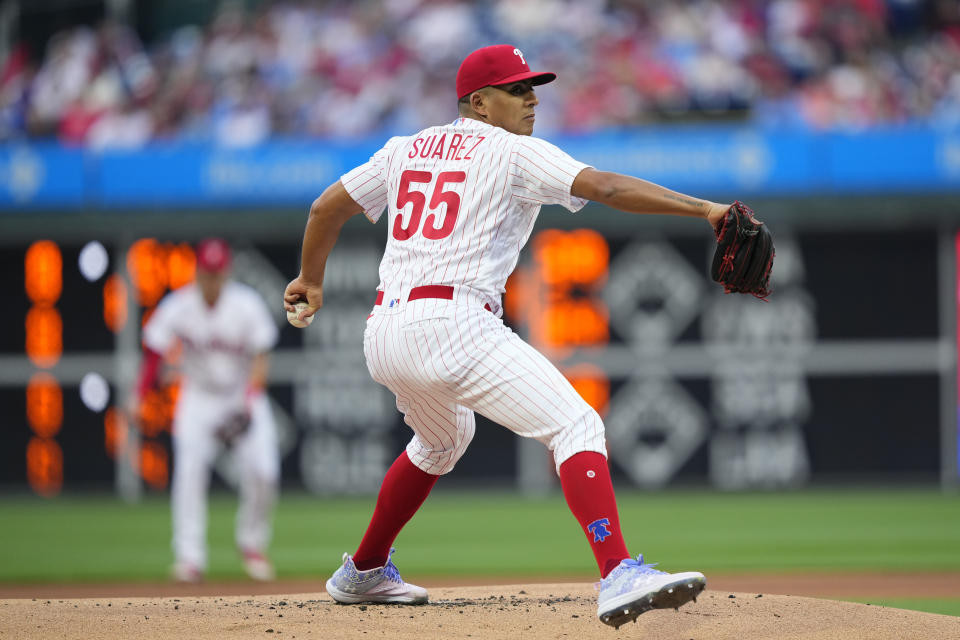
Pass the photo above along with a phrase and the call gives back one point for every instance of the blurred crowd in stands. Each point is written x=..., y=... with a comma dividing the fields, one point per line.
x=299, y=69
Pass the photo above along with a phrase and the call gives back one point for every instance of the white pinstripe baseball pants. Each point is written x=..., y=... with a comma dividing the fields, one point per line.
x=195, y=447
x=445, y=359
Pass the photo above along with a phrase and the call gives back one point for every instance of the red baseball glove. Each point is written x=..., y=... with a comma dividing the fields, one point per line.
x=743, y=258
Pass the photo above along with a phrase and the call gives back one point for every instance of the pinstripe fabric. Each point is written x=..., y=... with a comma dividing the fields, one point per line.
x=508, y=178
x=446, y=359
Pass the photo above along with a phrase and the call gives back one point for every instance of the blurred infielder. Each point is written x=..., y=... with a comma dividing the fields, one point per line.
x=226, y=333
x=462, y=200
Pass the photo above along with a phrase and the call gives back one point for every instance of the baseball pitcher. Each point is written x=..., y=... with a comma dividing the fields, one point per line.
x=461, y=200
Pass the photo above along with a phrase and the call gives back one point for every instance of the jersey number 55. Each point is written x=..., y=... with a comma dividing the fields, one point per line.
x=418, y=200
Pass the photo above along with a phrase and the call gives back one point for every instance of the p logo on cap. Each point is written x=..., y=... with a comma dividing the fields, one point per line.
x=497, y=64
x=213, y=254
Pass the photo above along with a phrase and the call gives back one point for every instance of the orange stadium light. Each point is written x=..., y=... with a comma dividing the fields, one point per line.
x=115, y=429
x=588, y=257
x=181, y=265
x=592, y=383
x=115, y=303
x=516, y=298
x=44, y=405
x=574, y=322
x=44, y=466
x=44, y=336
x=43, y=272
x=557, y=290
x=147, y=264
x=565, y=258
x=548, y=251
x=154, y=465
x=153, y=414
x=590, y=322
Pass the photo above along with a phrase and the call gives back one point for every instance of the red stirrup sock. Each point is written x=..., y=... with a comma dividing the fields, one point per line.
x=404, y=489
x=585, y=479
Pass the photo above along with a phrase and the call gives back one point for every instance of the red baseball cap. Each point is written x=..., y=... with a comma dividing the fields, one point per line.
x=213, y=254
x=497, y=64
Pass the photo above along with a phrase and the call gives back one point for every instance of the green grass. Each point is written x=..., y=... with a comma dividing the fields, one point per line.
x=944, y=606
x=98, y=538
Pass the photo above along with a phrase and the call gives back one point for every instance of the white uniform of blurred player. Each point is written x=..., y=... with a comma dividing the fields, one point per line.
x=461, y=201
x=226, y=332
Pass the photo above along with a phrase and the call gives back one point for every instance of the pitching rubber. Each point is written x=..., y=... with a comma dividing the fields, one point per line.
x=683, y=588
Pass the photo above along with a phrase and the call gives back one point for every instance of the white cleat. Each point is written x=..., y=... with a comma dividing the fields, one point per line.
x=186, y=573
x=633, y=588
x=258, y=566
x=380, y=585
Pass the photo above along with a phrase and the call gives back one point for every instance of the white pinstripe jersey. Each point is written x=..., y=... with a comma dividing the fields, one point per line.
x=462, y=200
x=219, y=342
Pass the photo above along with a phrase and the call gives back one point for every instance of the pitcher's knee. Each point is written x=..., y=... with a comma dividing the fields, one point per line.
x=585, y=433
x=438, y=461
x=435, y=462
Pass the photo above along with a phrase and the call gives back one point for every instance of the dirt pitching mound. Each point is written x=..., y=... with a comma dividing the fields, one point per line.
x=534, y=612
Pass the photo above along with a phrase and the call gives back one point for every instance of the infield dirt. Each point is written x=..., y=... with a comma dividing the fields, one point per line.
x=534, y=611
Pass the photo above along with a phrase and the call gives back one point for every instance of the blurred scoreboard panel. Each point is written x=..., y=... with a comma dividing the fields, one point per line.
x=37, y=407
x=835, y=377
x=65, y=307
x=693, y=385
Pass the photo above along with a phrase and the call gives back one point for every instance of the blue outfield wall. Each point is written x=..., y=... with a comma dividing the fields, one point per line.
x=699, y=160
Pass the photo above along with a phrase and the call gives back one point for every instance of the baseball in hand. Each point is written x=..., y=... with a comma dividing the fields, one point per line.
x=293, y=316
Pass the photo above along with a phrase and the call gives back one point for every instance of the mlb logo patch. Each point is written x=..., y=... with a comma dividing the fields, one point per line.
x=393, y=302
